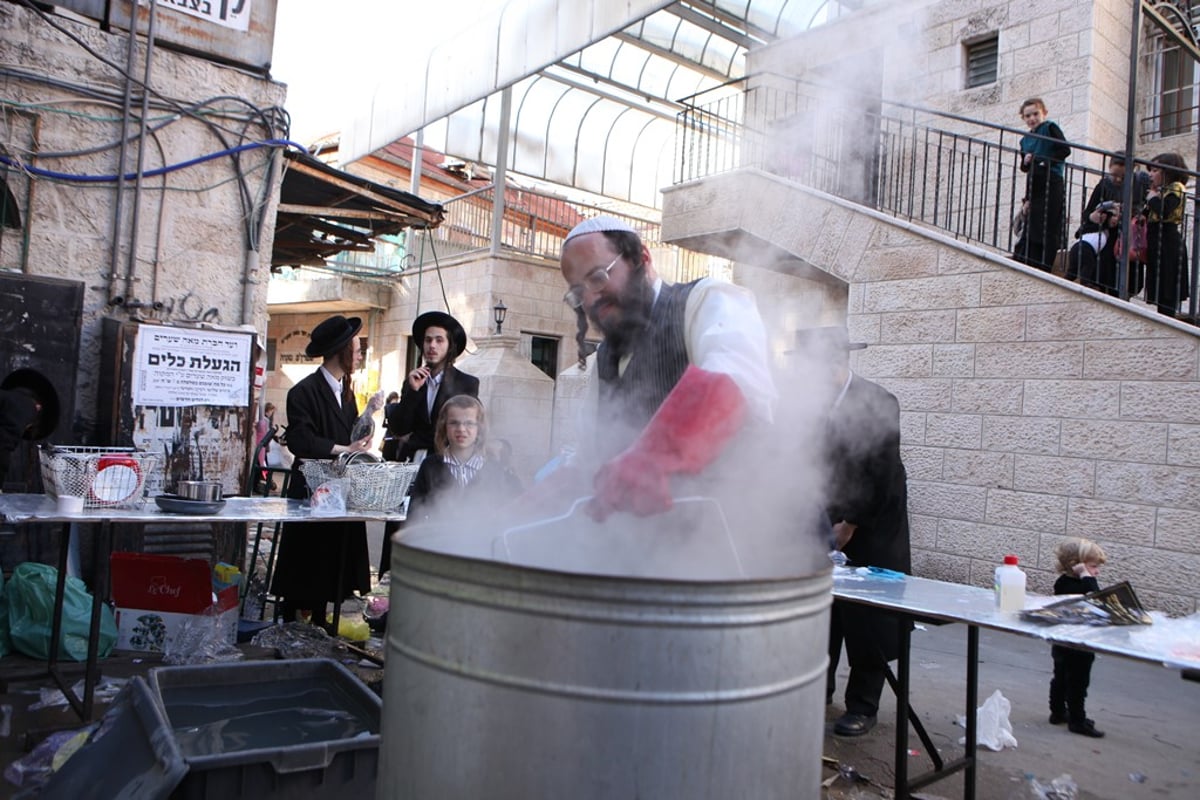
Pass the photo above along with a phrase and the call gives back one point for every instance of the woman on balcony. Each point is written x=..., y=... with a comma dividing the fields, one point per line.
x=1166, y=251
x=1043, y=153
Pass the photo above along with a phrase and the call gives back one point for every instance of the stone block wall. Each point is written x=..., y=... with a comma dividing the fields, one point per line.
x=192, y=254
x=1031, y=408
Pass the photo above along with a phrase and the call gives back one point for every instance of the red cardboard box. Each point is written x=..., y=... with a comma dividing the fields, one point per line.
x=155, y=595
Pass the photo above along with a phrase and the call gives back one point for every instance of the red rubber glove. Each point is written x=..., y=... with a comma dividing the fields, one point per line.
x=689, y=430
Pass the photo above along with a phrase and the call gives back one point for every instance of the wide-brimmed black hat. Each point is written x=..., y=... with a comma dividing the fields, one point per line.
x=39, y=387
x=830, y=338
x=331, y=336
x=440, y=319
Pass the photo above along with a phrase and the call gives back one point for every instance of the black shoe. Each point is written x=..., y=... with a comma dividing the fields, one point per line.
x=1085, y=728
x=1058, y=717
x=853, y=724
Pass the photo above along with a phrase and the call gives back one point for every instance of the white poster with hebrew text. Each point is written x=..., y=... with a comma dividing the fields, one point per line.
x=186, y=367
x=228, y=13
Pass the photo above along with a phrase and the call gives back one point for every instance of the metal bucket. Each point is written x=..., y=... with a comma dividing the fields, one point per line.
x=507, y=681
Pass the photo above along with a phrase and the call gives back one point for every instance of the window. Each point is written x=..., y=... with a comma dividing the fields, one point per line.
x=272, y=349
x=982, y=59
x=1175, y=96
x=543, y=352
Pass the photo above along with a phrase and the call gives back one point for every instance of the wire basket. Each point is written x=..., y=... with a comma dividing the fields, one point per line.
x=105, y=477
x=373, y=487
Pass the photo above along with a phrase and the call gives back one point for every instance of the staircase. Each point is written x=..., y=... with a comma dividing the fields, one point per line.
x=1031, y=408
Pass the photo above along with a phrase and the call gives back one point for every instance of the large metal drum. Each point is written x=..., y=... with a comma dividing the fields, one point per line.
x=512, y=683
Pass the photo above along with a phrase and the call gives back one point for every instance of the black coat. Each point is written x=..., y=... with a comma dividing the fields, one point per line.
x=1103, y=276
x=434, y=487
x=867, y=482
x=306, y=566
x=867, y=486
x=411, y=417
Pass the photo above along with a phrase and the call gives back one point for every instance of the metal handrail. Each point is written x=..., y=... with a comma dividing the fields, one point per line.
x=535, y=225
x=956, y=174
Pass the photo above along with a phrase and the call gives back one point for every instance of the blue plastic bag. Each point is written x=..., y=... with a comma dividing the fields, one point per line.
x=30, y=594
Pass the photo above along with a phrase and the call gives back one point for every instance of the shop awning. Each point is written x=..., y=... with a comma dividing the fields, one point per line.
x=324, y=211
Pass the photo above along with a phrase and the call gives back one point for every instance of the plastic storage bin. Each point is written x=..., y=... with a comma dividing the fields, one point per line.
x=239, y=730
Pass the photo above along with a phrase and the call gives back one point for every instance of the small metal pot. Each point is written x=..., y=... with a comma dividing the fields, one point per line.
x=206, y=491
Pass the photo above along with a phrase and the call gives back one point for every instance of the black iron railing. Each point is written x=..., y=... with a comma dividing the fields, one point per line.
x=535, y=225
x=959, y=175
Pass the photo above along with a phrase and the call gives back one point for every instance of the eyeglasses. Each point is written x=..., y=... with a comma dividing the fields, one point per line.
x=594, y=281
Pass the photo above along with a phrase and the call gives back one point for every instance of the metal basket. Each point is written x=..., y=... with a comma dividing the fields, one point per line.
x=373, y=487
x=105, y=477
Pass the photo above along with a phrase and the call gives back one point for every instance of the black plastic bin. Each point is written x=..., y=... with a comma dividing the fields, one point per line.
x=273, y=755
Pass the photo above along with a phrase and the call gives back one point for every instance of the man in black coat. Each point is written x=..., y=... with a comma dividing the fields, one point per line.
x=426, y=389
x=321, y=411
x=442, y=340
x=867, y=502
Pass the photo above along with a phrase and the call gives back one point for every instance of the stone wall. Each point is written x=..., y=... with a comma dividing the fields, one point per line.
x=192, y=254
x=1032, y=408
x=1072, y=55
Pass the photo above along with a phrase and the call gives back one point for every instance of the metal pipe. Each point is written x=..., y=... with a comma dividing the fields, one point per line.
x=1135, y=31
x=131, y=262
x=418, y=163
x=501, y=176
x=251, y=261
x=126, y=106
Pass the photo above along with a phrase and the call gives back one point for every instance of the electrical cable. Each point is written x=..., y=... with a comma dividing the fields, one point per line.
x=63, y=176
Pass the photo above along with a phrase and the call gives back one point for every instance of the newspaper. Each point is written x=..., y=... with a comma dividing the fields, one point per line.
x=1114, y=605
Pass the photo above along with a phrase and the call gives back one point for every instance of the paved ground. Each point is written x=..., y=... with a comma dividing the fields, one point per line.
x=1151, y=717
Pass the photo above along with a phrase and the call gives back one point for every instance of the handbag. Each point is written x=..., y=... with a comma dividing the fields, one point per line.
x=1138, y=239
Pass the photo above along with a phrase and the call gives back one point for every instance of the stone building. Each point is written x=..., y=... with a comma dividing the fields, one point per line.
x=131, y=206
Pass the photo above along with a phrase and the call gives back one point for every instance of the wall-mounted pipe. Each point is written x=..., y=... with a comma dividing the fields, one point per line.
x=143, y=126
x=122, y=151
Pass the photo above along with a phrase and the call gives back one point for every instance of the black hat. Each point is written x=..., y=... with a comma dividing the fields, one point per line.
x=440, y=319
x=831, y=338
x=331, y=336
x=39, y=387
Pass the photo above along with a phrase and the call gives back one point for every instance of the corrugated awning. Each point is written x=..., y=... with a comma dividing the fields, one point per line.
x=596, y=85
x=324, y=211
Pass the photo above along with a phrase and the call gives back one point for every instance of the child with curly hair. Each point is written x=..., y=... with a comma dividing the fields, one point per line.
x=1079, y=561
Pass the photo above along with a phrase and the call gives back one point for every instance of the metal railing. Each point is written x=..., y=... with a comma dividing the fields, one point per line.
x=535, y=225
x=959, y=175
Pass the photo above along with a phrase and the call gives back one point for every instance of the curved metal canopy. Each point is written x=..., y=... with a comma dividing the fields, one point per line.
x=596, y=85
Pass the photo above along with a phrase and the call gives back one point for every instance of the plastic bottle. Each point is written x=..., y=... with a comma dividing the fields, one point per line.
x=1010, y=585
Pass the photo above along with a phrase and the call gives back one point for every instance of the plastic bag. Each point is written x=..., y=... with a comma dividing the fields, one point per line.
x=1139, y=236
x=364, y=426
x=1061, y=788
x=200, y=640
x=993, y=728
x=329, y=499
x=30, y=594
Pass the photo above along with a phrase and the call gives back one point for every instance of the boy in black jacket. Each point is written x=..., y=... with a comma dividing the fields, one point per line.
x=1079, y=561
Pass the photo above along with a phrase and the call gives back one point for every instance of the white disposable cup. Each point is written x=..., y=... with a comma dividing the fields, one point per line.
x=69, y=504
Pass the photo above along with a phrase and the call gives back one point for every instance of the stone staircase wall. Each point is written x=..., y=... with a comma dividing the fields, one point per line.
x=1032, y=408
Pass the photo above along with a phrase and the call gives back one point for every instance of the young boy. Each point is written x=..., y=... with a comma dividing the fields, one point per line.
x=1079, y=561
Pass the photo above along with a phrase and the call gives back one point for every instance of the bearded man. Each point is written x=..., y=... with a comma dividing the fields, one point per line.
x=681, y=369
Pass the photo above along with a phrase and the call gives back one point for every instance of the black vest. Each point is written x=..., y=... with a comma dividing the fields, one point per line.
x=658, y=358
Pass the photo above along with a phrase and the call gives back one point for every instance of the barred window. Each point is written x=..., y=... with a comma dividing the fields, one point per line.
x=982, y=60
x=1175, y=96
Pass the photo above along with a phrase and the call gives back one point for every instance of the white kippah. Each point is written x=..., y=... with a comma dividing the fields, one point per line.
x=599, y=225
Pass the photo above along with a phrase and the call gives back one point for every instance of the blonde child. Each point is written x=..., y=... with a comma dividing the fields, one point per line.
x=1079, y=561
x=459, y=467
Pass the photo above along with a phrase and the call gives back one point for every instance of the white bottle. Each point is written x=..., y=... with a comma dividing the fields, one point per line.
x=1010, y=585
